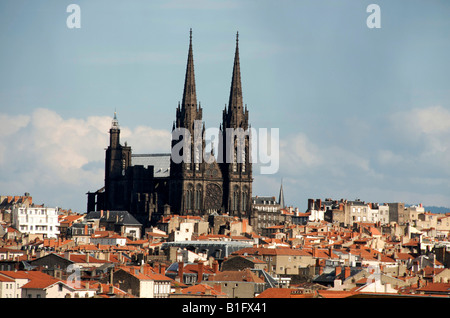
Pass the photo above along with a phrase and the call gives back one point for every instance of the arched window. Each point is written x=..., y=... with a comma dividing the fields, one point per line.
x=234, y=164
x=189, y=197
x=243, y=154
x=198, y=198
x=244, y=199
x=235, y=204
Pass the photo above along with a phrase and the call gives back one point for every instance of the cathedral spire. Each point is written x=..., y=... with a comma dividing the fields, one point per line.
x=236, y=86
x=281, y=197
x=189, y=94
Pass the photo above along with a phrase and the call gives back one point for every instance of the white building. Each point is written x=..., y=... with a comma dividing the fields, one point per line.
x=106, y=239
x=184, y=233
x=383, y=214
x=316, y=215
x=36, y=220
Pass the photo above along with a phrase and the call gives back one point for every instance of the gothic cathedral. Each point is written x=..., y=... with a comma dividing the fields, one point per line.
x=202, y=183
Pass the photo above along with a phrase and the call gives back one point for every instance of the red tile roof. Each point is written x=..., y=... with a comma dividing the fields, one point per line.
x=285, y=293
x=202, y=289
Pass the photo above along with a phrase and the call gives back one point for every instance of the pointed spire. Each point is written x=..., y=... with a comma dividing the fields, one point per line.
x=281, y=196
x=115, y=122
x=236, y=86
x=189, y=94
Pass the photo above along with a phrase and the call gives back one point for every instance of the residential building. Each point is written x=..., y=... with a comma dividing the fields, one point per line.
x=140, y=281
x=120, y=222
x=267, y=212
x=37, y=220
x=238, y=284
x=280, y=261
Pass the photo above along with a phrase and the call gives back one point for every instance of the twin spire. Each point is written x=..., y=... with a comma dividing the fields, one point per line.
x=189, y=93
x=236, y=86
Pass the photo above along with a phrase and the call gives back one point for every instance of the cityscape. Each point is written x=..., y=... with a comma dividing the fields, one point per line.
x=217, y=211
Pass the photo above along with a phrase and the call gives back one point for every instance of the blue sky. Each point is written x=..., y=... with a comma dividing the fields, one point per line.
x=362, y=113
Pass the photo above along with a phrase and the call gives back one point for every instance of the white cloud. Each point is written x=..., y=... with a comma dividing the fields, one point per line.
x=427, y=131
x=58, y=160
x=431, y=120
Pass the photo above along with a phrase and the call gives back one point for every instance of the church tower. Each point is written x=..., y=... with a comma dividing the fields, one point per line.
x=118, y=159
x=187, y=166
x=235, y=149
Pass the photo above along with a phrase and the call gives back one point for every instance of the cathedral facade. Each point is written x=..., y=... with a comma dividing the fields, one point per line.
x=150, y=185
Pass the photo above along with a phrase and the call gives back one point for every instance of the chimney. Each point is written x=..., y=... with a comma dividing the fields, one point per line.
x=310, y=204
x=215, y=266
x=330, y=251
x=200, y=271
x=338, y=271
x=320, y=270
x=162, y=269
x=87, y=257
x=180, y=271
x=347, y=272
x=314, y=251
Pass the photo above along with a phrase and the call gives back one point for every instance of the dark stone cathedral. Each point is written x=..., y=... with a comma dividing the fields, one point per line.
x=151, y=185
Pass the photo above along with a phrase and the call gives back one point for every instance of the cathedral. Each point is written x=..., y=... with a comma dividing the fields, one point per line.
x=151, y=185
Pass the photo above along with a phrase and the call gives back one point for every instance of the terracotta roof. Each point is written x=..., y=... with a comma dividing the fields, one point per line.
x=335, y=293
x=41, y=283
x=25, y=274
x=5, y=279
x=284, y=293
x=201, y=289
x=159, y=277
x=436, y=287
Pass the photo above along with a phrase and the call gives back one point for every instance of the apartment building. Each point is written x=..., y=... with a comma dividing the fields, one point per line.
x=36, y=220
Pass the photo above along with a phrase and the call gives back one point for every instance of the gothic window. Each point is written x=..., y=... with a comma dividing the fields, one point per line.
x=235, y=155
x=243, y=158
x=235, y=204
x=244, y=199
x=189, y=197
x=198, y=198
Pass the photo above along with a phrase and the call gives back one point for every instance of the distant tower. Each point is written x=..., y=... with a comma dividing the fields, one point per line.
x=118, y=159
x=237, y=174
x=281, y=197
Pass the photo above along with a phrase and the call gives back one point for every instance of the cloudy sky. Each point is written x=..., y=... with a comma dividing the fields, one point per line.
x=361, y=112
